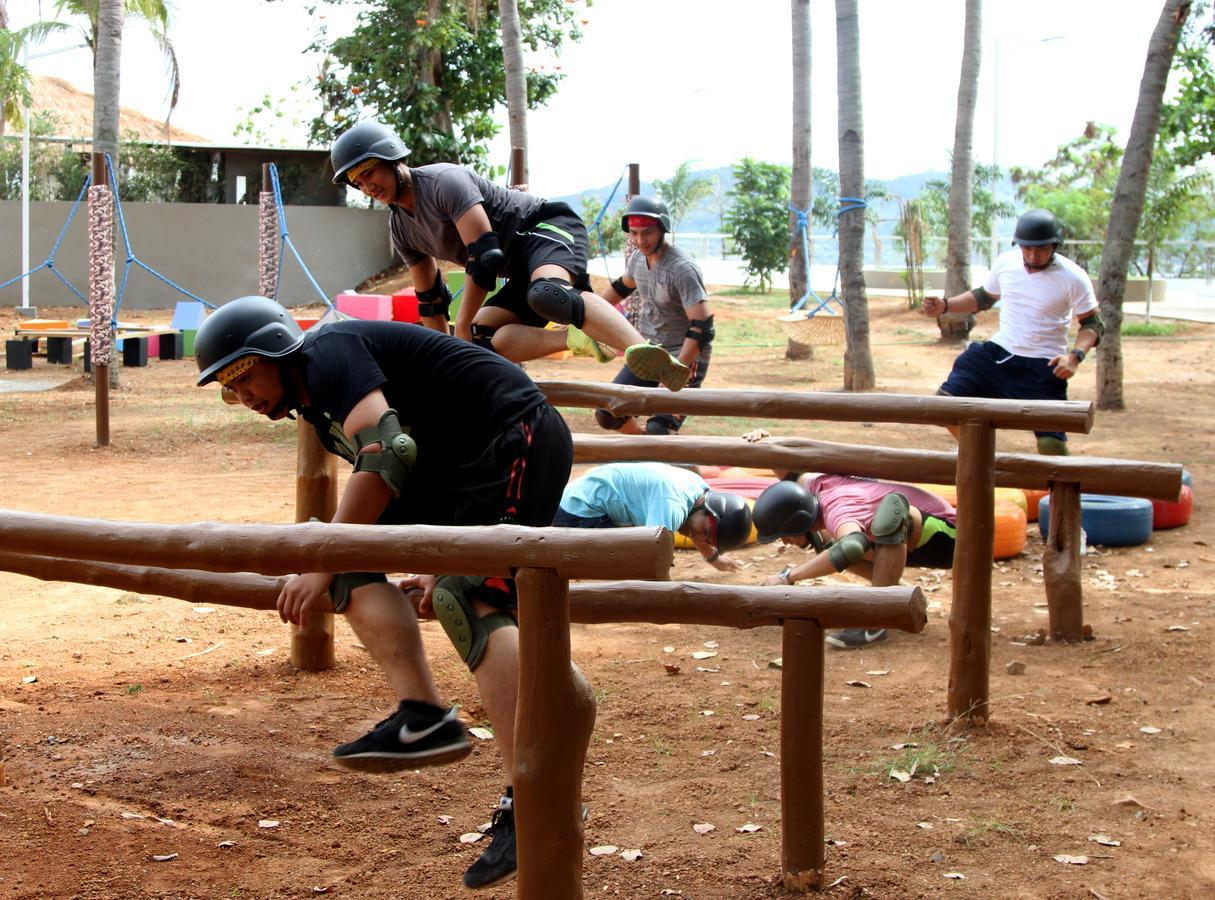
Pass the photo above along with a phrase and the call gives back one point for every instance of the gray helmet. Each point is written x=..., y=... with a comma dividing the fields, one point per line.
x=649, y=207
x=367, y=140
x=1037, y=228
x=786, y=509
x=256, y=326
x=733, y=519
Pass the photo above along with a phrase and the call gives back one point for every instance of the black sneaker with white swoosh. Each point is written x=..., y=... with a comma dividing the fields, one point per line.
x=855, y=638
x=416, y=735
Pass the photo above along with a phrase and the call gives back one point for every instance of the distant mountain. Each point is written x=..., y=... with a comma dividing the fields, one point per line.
x=708, y=218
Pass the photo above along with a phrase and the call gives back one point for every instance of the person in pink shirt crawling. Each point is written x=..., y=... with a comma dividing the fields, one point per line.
x=871, y=528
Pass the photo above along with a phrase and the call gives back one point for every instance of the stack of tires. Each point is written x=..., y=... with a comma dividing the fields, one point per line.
x=1126, y=521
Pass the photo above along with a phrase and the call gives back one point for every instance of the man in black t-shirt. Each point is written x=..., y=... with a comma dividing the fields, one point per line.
x=445, y=212
x=441, y=432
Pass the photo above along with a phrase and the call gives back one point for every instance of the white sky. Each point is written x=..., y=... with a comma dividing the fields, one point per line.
x=661, y=81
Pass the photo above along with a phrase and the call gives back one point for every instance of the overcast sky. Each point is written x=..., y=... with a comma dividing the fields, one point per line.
x=661, y=81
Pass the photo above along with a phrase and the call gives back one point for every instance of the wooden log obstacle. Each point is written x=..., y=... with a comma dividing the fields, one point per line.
x=975, y=468
x=185, y=561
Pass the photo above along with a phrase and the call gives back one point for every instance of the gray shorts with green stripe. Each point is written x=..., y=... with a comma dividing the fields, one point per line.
x=558, y=238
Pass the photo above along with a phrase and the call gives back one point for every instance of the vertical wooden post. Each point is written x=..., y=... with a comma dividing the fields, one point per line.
x=634, y=180
x=556, y=713
x=803, y=852
x=970, y=615
x=267, y=237
x=518, y=167
x=1061, y=563
x=101, y=346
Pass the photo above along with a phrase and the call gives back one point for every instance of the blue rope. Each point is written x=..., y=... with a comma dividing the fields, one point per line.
x=49, y=262
x=599, y=219
x=847, y=204
x=286, y=242
x=131, y=258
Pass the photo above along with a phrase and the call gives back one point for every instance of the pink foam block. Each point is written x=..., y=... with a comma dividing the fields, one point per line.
x=153, y=346
x=366, y=306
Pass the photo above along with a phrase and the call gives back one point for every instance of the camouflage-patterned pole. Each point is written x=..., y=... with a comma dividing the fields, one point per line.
x=267, y=237
x=101, y=293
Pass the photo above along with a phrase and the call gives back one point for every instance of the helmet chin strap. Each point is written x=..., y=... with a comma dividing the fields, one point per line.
x=291, y=395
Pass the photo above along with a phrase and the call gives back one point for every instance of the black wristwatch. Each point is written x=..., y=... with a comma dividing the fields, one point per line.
x=1079, y=354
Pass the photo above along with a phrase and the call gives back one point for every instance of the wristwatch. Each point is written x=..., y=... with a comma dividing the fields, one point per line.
x=1079, y=354
x=785, y=574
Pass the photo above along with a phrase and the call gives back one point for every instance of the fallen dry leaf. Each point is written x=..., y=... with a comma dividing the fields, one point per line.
x=878, y=672
x=704, y=827
x=860, y=684
x=1064, y=761
x=630, y=855
x=956, y=876
x=1071, y=860
x=1150, y=729
x=668, y=649
x=483, y=734
x=703, y=654
x=1104, y=840
x=671, y=668
x=267, y=823
x=711, y=645
x=471, y=837
x=749, y=828
x=1099, y=700
x=604, y=850
x=164, y=857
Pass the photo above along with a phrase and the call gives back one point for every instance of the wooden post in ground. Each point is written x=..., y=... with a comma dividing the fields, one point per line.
x=315, y=468
x=1061, y=563
x=556, y=713
x=518, y=168
x=101, y=293
x=803, y=853
x=970, y=615
x=634, y=181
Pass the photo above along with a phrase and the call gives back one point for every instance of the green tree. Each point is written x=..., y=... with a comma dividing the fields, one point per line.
x=934, y=202
x=1171, y=202
x=1077, y=185
x=433, y=71
x=1187, y=124
x=757, y=219
x=14, y=77
x=683, y=192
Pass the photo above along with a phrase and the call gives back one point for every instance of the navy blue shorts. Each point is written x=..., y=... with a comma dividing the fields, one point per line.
x=660, y=423
x=558, y=238
x=985, y=369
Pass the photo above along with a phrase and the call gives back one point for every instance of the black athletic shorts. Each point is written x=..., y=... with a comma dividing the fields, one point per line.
x=553, y=236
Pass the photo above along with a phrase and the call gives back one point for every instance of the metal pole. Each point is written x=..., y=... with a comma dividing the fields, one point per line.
x=101, y=372
x=25, y=193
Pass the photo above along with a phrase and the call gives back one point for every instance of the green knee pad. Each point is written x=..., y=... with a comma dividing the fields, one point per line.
x=469, y=632
x=1052, y=446
x=344, y=583
x=892, y=521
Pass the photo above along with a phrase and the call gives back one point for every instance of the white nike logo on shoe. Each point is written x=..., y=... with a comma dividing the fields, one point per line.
x=407, y=735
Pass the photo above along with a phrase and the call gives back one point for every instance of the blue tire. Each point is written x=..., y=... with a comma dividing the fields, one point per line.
x=1187, y=478
x=1108, y=521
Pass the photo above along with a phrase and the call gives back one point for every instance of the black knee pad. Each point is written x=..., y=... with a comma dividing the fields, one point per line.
x=557, y=301
x=483, y=336
x=660, y=425
x=608, y=421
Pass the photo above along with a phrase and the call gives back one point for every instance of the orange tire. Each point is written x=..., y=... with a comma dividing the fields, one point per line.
x=1032, y=498
x=1010, y=530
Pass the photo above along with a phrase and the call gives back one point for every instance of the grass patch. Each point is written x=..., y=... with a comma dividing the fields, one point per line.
x=1150, y=329
x=134, y=688
x=983, y=827
x=930, y=753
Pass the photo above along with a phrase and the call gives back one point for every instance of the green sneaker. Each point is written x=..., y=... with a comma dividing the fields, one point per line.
x=582, y=344
x=651, y=363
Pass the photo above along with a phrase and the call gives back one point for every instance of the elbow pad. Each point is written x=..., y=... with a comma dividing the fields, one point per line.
x=848, y=550
x=622, y=289
x=398, y=452
x=983, y=299
x=1092, y=322
x=485, y=261
x=701, y=331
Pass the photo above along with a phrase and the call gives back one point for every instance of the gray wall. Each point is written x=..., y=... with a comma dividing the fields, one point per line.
x=209, y=249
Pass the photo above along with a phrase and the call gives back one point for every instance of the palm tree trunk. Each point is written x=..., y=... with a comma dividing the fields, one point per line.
x=961, y=182
x=516, y=80
x=107, y=65
x=1127, y=208
x=858, y=363
x=802, y=187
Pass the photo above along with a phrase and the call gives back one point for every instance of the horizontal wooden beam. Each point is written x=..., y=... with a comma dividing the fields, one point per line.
x=645, y=553
x=1094, y=474
x=911, y=409
x=734, y=606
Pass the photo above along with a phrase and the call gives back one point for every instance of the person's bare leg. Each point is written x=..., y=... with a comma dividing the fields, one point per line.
x=606, y=325
x=631, y=426
x=387, y=626
x=498, y=683
x=889, y=560
x=519, y=343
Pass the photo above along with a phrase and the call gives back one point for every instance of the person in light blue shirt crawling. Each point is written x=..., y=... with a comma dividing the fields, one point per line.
x=655, y=494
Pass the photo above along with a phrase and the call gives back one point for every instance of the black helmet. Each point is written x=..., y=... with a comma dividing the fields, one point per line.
x=733, y=518
x=1037, y=228
x=785, y=509
x=649, y=207
x=247, y=326
x=367, y=140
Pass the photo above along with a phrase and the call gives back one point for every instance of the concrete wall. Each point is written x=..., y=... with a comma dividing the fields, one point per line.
x=209, y=249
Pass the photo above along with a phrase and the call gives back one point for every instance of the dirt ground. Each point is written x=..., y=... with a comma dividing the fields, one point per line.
x=148, y=743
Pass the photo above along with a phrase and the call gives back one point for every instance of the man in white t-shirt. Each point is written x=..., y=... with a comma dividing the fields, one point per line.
x=1027, y=358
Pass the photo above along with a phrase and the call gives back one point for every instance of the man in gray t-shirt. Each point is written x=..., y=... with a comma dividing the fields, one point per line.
x=674, y=307
x=445, y=212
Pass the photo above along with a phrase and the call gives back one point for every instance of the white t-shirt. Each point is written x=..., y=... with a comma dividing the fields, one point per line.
x=1037, y=308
